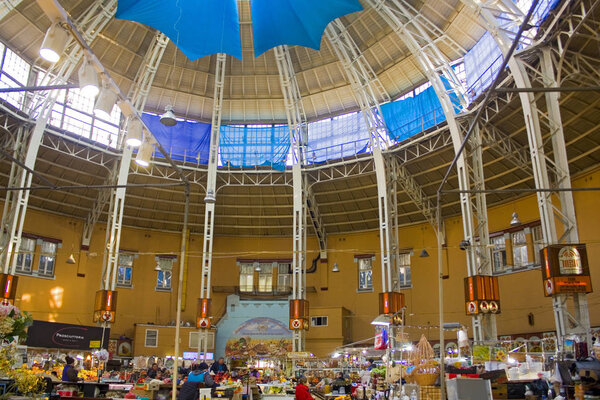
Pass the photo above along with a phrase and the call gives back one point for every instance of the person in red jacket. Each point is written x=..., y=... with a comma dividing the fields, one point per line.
x=302, y=390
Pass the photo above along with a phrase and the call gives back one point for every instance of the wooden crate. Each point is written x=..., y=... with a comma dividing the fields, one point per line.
x=499, y=391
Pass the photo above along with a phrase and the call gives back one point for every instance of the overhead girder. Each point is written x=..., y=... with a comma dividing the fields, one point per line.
x=500, y=17
x=91, y=22
x=298, y=137
x=420, y=36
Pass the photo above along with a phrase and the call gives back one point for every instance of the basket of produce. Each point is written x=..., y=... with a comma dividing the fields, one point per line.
x=426, y=374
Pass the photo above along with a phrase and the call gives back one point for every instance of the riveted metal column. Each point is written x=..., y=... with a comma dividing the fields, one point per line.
x=298, y=136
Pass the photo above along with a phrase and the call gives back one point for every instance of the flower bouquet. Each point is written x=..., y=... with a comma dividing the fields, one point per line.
x=13, y=323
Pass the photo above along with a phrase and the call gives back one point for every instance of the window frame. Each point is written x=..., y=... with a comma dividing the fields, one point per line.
x=165, y=263
x=22, y=254
x=211, y=340
x=248, y=275
x=130, y=267
x=265, y=288
x=47, y=258
x=287, y=276
x=407, y=270
x=359, y=260
x=323, y=318
x=146, y=337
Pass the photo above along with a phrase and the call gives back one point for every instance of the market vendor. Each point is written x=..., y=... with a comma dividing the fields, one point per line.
x=69, y=372
x=219, y=366
x=152, y=371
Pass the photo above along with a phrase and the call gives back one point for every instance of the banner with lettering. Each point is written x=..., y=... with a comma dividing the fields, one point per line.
x=66, y=336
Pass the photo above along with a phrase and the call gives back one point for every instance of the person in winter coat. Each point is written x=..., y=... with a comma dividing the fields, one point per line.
x=69, y=372
x=198, y=378
x=302, y=392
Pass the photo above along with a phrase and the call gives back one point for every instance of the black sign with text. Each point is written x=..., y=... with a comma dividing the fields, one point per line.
x=66, y=336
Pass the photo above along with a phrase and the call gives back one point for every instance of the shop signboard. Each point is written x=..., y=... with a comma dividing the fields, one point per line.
x=66, y=336
x=565, y=269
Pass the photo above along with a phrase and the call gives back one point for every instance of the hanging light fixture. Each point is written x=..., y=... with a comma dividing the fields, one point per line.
x=88, y=79
x=335, y=268
x=144, y=154
x=71, y=259
x=105, y=102
x=424, y=253
x=54, y=43
x=157, y=268
x=168, y=118
x=134, y=132
x=257, y=267
x=515, y=221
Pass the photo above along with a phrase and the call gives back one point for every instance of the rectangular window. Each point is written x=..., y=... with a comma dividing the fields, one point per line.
x=265, y=278
x=365, y=274
x=47, y=258
x=164, y=267
x=25, y=256
x=404, y=279
x=319, y=321
x=498, y=253
x=519, y=244
x=151, y=339
x=284, y=278
x=538, y=242
x=246, y=277
x=125, y=270
x=195, y=337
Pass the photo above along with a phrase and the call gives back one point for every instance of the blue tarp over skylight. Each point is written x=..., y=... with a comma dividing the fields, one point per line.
x=204, y=27
x=186, y=141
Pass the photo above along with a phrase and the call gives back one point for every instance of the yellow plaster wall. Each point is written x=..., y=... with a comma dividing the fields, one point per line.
x=69, y=298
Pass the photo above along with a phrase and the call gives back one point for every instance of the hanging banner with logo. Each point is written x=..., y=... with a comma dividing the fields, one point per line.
x=381, y=340
x=66, y=336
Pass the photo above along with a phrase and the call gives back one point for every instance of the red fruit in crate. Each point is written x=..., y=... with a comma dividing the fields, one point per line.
x=130, y=395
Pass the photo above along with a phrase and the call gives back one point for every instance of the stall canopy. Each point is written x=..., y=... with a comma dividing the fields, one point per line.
x=204, y=27
x=66, y=336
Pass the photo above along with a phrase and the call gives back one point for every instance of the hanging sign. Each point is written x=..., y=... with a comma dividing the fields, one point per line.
x=565, y=269
x=65, y=336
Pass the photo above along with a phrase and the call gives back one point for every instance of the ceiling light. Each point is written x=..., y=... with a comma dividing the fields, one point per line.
x=88, y=79
x=210, y=197
x=257, y=267
x=424, y=253
x=144, y=154
x=168, y=118
x=134, y=132
x=382, y=320
x=157, y=268
x=54, y=43
x=515, y=221
x=71, y=259
x=464, y=244
x=105, y=102
x=335, y=268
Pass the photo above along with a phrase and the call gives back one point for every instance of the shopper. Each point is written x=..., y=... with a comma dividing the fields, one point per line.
x=302, y=392
x=69, y=372
x=152, y=371
x=219, y=367
x=198, y=378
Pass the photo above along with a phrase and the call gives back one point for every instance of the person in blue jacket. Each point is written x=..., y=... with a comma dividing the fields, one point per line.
x=69, y=373
x=198, y=378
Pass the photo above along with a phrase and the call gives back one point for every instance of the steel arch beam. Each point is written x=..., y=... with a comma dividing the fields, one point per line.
x=494, y=16
x=420, y=36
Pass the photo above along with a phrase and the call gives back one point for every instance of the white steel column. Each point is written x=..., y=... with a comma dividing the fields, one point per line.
x=298, y=137
x=91, y=23
x=501, y=17
x=421, y=37
x=138, y=96
x=370, y=93
x=211, y=192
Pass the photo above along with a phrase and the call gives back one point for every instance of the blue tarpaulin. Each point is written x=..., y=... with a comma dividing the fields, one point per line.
x=254, y=146
x=338, y=137
x=186, y=141
x=198, y=27
x=204, y=27
x=406, y=118
x=295, y=22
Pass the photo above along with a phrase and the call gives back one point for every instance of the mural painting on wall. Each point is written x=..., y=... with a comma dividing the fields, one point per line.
x=259, y=337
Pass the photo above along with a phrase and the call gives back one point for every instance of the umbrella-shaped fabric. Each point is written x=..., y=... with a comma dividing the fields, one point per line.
x=203, y=27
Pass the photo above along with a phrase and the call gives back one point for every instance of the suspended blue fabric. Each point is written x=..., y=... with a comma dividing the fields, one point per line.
x=405, y=118
x=295, y=22
x=254, y=146
x=198, y=27
x=186, y=141
x=338, y=137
